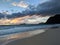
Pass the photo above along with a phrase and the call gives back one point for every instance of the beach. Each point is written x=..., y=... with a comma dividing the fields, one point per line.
x=12, y=37
x=49, y=37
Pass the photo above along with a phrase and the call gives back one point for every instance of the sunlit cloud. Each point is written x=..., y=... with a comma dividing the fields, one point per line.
x=20, y=4
x=26, y=19
x=36, y=19
x=14, y=4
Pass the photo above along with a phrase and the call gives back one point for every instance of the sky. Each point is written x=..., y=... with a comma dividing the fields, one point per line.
x=14, y=6
x=33, y=6
x=27, y=9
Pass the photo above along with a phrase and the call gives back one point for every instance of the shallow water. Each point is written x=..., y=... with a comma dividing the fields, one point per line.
x=5, y=30
x=12, y=37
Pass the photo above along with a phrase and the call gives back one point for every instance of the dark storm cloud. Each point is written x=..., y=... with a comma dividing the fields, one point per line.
x=47, y=8
x=50, y=7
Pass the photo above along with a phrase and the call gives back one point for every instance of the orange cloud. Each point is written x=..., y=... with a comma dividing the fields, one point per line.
x=26, y=19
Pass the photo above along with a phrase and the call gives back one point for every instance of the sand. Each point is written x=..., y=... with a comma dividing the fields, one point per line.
x=49, y=37
x=4, y=39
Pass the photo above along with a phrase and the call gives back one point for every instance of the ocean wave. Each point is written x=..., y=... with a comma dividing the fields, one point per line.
x=25, y=29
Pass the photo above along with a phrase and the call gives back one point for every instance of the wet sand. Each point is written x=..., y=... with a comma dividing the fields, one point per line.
x=49, y=37
x=12, y=37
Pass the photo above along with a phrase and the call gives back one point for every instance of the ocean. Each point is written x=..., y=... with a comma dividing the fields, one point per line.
x=9, y=33
x=6, y=29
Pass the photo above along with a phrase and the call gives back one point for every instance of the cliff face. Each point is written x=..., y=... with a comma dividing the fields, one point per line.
x=54, y=20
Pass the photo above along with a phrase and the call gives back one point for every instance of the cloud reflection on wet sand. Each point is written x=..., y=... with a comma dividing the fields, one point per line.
x=8, y=38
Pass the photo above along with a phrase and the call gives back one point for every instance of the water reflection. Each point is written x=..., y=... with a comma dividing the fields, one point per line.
x=8, y=38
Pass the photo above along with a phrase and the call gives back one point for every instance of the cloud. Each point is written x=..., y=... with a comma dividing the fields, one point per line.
x=35, y=19
x=45, y=8
x=6, y=13
x=50, y=7
x=20, y=4
x=14, y=4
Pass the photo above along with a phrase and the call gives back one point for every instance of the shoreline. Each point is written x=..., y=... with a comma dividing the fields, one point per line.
x=13, y=37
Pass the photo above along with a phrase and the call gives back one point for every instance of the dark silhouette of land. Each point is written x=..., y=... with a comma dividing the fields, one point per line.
x=54, y=20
